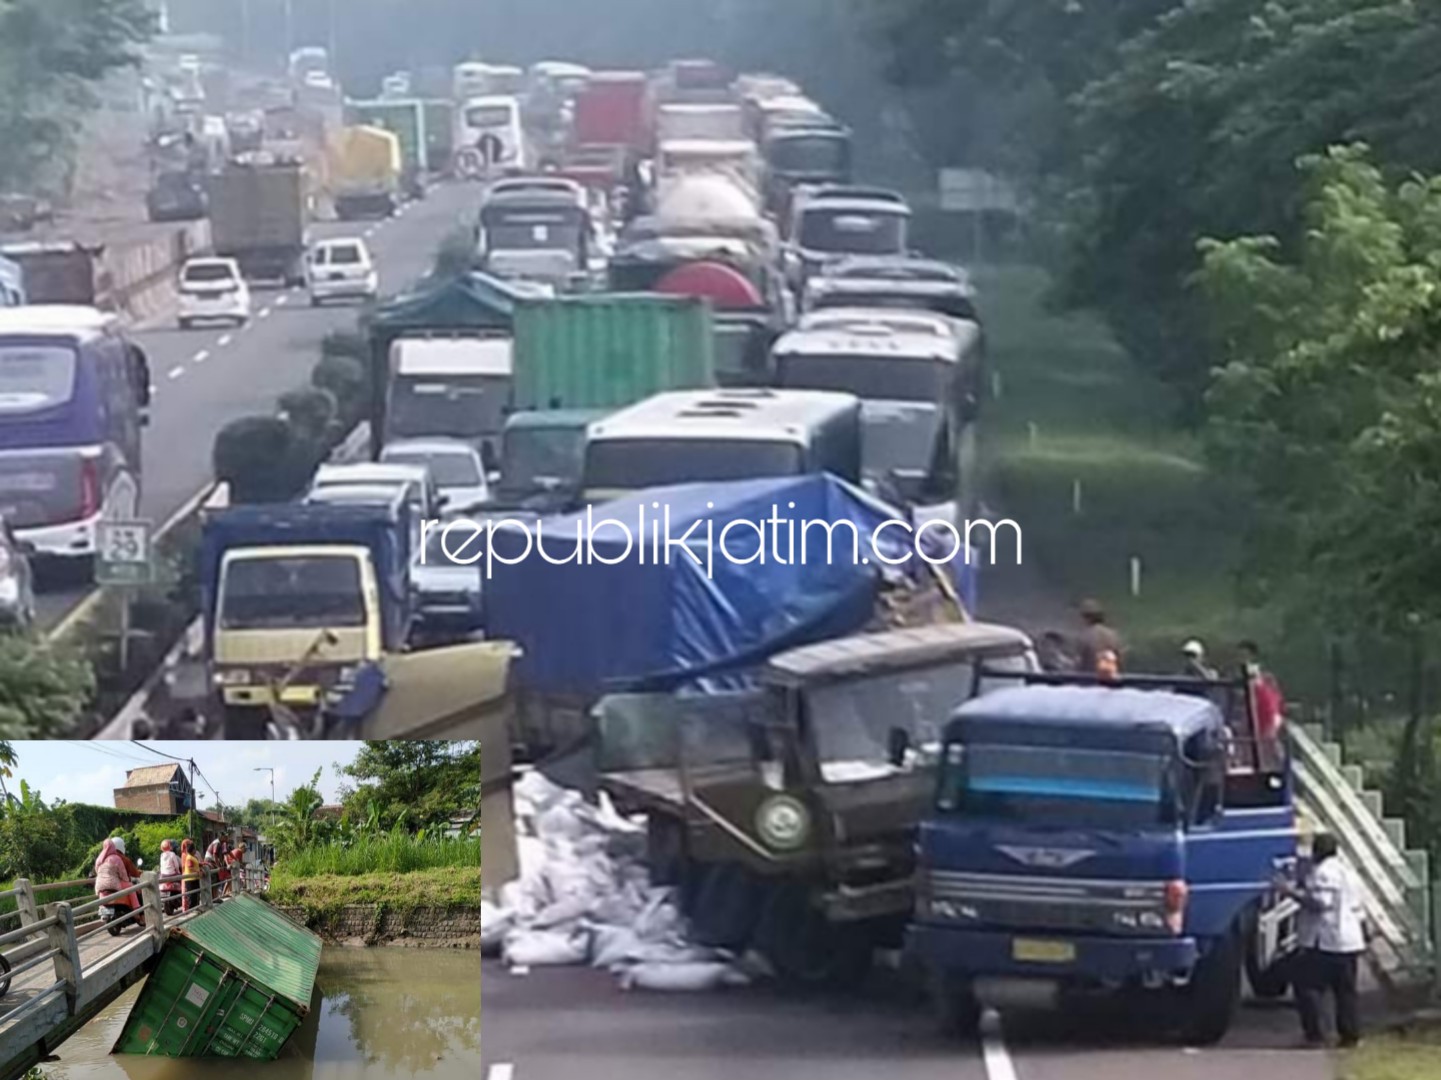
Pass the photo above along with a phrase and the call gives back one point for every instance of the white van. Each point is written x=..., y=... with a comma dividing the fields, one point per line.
x=340, y=270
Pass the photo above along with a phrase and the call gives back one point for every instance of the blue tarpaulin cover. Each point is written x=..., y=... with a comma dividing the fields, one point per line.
x=643, y=624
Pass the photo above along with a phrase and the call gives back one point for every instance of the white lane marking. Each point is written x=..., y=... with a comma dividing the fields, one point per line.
x=202, y=356
x=176, y=372
x=993, y=1048
x=370, y=231
x=502, y=1071
x=265, y=313
x=520, y=969
x=225, y=339
x=281, y=301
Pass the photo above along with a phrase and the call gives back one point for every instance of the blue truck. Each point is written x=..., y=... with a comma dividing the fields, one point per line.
x=296, y=598
x=1119, y=836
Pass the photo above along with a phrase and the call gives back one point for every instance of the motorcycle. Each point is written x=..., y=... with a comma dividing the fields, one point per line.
x=111, y=914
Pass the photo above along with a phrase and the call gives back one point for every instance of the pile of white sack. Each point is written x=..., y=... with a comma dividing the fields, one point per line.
x=584, y=896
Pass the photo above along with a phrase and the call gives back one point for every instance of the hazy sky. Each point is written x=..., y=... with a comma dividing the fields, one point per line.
x=89, y=772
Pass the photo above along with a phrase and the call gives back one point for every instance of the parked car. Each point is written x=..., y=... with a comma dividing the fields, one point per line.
x=340, y=270
x=213, y=289
x=17, y=582
x=455, y=467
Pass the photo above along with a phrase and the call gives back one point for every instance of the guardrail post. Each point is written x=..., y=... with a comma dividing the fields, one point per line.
x=205, y=887
x=25, y=902
x=150, y=900
x=67, y=949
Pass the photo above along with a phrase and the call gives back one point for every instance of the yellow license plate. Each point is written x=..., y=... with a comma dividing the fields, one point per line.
x=1030, y=951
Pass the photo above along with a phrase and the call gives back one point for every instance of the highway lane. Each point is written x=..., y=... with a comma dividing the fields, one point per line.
x=556, y=1024
x=205, y=377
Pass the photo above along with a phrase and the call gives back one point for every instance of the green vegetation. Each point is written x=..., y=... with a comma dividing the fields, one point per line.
x=323, y=897
x=1410, y=1055
x=44, y=689
x=394, y=853
x=52, y=53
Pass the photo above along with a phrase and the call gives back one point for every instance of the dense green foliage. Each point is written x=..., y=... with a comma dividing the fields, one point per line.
x=391, y=853
x=52, y=52
x=413, y=782
x=43, y=690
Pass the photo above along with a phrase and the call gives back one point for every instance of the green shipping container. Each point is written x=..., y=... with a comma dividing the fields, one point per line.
x=233, y=982
x=610, y=350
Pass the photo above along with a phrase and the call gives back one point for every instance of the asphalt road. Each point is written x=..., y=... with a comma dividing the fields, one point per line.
x=203, y=378
x=560, y=1024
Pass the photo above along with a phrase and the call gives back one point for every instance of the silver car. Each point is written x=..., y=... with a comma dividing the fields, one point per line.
x=456, y=468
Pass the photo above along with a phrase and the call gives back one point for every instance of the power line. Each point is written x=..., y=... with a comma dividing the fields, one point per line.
x=114, y=755
x=152, y=749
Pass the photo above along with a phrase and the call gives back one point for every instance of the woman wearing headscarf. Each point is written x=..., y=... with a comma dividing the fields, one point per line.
x=169, y=868
x=190, y=871
x=114, y=872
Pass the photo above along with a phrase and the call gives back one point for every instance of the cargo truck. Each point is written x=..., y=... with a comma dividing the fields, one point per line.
x=1123, y=835
x=64, y=272
x=258, y=217
x=408, y=119
x=295, y=597
x=365, y=173
x=611, y=111
x=609, y=350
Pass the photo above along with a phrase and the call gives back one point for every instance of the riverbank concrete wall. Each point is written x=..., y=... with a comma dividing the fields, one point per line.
x=379, y=924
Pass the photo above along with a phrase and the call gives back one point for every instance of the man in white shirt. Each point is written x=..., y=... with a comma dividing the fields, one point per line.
x=1332, y=939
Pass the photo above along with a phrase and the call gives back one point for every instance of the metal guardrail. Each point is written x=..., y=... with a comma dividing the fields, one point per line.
x=86, y=981
x=1396, y=882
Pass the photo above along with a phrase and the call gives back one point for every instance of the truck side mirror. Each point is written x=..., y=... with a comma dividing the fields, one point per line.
x=899, y=744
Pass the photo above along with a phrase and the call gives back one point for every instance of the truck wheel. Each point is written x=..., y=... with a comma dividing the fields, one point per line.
x=954, y=1003
x=1270, y=983
x=1207, y=1006
x=805, y=948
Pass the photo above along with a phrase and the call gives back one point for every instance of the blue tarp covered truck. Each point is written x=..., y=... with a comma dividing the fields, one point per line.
x=296, y=596
x=602, y=610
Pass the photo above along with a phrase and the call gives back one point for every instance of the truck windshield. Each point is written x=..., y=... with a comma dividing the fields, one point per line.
x=523, y=232
x=852, y=721
x=643, y=463
x=34, y=377
x=457, y=406
x=874, y=378
x=533, y=459
x=447, y=469
x=950, y=304
x=488, y=116
x=291, y=593
x=1057, y=786
x=812, y=155
x=853, y=232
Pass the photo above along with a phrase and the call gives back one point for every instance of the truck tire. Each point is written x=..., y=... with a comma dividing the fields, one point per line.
x=1268, y=984
x=954, y=1004
x=806, y=949
x=1207, y=1006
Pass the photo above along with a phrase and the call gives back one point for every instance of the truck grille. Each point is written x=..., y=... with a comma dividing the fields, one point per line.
x=1042, y=903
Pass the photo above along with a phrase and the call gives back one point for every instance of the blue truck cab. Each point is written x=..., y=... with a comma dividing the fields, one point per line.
x=1124, y=835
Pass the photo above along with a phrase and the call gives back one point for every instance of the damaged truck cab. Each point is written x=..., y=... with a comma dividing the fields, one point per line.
x=788, y=813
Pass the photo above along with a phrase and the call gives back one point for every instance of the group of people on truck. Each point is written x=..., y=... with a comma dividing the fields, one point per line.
x=179, y=873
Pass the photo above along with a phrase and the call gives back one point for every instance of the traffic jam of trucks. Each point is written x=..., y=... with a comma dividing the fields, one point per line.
x=679, y=296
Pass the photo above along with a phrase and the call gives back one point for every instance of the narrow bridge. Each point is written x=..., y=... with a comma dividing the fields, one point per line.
x=66, y=967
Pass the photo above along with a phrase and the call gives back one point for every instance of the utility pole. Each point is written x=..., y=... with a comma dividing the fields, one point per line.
x=267, y=768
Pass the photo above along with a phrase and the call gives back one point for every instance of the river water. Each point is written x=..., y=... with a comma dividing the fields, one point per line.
x=378, y=1014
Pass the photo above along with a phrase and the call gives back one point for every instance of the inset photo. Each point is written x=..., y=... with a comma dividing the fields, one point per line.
x=169, y=908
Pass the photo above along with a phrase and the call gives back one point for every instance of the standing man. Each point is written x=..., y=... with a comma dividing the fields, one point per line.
x=1268, y=706
x=1333, y=937
x=1100, y=646
x=1195, y=665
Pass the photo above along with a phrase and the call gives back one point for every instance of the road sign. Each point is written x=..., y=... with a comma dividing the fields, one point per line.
x=975, y=191
x=122, y=553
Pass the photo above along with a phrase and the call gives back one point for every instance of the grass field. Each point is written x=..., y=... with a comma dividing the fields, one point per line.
x=395, y=853
x=1074, y=409
x=1415, y=1055
x=323, y=894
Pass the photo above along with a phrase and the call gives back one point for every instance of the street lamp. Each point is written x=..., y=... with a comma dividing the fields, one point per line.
x=271, y=771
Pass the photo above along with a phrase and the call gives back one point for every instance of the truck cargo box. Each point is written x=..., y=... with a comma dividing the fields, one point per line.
x=258, y=217
x=61, y=273
x=609, y=350
x=616, y=618
x=235, y=981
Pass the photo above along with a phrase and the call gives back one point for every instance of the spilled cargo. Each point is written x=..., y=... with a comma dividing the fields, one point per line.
x=234, y=982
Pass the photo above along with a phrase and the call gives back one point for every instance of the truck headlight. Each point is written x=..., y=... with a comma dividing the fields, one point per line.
x=232, y=677
x=783, y=822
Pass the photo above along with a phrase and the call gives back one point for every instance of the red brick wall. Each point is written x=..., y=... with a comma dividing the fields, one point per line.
x=156, y=799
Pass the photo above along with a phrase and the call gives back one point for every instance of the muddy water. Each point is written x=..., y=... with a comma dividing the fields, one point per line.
x=378, y=1014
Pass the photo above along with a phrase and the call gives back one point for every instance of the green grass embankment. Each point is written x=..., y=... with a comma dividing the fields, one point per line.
x=1413, y=1055
x=322, y=896
x=1075, y=408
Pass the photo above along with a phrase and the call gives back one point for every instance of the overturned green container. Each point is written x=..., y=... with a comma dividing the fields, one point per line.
x=233, y=982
